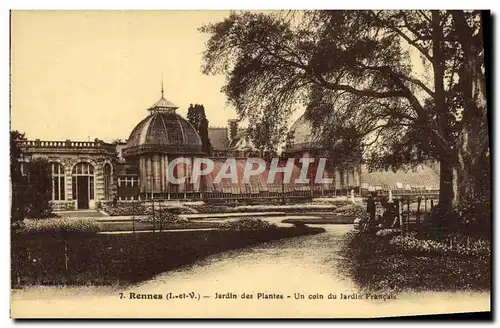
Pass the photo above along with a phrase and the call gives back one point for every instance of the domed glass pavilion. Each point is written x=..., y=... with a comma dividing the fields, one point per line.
x=158, y=139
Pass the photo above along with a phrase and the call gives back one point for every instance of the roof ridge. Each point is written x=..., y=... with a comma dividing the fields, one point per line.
x=163, y=104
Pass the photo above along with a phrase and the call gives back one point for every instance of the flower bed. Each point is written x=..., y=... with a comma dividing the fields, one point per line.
x=210, y=208
x=387, y=232
x=142, y=208
x=354, y=210
x=376, y=264
x=247, y=224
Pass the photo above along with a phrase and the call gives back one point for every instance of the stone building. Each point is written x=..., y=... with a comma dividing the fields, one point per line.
x=82, y=172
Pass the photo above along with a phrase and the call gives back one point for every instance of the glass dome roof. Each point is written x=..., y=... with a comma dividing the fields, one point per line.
x=163, y=131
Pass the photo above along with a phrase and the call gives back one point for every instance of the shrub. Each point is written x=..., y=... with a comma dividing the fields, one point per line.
x=247, y=224
x=475, y=216
x=59, y=227
x=124, y=208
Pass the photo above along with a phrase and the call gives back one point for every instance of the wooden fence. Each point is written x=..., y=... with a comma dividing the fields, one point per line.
x=411, y=211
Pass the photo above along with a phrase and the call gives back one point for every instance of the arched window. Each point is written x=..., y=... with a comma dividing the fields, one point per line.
x=57, y=181
x=83, y=169
x=107, y=181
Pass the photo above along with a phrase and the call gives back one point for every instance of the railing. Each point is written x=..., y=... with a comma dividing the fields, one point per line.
x=413, y=193
x=220, y=195
x=96, y=144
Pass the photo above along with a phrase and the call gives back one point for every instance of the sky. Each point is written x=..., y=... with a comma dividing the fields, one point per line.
x=83, y=75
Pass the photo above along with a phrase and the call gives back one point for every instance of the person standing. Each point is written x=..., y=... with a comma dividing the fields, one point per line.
x=389, y=213
x=371, y=206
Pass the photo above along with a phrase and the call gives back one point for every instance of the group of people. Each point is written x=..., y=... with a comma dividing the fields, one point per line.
x=385, y=217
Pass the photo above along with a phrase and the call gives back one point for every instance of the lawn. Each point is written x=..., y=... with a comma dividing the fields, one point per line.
x=330, y=219
x=144, y=226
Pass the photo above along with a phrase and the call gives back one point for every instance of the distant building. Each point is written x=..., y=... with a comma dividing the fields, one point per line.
x=303, y=144
x=219, y=138
x=423, y=179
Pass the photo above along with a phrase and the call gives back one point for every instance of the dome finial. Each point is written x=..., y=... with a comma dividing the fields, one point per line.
x=162, y=84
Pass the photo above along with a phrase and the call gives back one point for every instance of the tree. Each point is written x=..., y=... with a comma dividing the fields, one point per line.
x=31, y=189
x=266, y=134
x=194, y=116
x=198, y=119
x=18, y=183
x=205, y=140
x=233, y=129
x=38, y=193
x=354, y=71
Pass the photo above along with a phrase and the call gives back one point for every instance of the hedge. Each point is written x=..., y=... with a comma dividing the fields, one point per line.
x=58, y=227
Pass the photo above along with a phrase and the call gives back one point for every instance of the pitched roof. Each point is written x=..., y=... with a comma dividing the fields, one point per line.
x=422, y=177
x=163, y=103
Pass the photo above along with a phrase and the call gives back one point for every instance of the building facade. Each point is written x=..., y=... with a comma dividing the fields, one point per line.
x=86, y=173
x=82, y=172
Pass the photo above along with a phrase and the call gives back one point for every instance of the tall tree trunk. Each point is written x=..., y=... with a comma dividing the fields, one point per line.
x=446, y=193
x=473, y=167
x=446, y=162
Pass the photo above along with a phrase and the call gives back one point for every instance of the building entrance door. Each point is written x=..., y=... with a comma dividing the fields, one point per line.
x=83, y=192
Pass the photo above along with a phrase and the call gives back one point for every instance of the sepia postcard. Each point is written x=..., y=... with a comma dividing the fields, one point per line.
x=250, y=164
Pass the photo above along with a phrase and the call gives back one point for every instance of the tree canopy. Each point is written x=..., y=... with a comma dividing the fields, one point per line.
x=197, y=117
x=31, y=187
